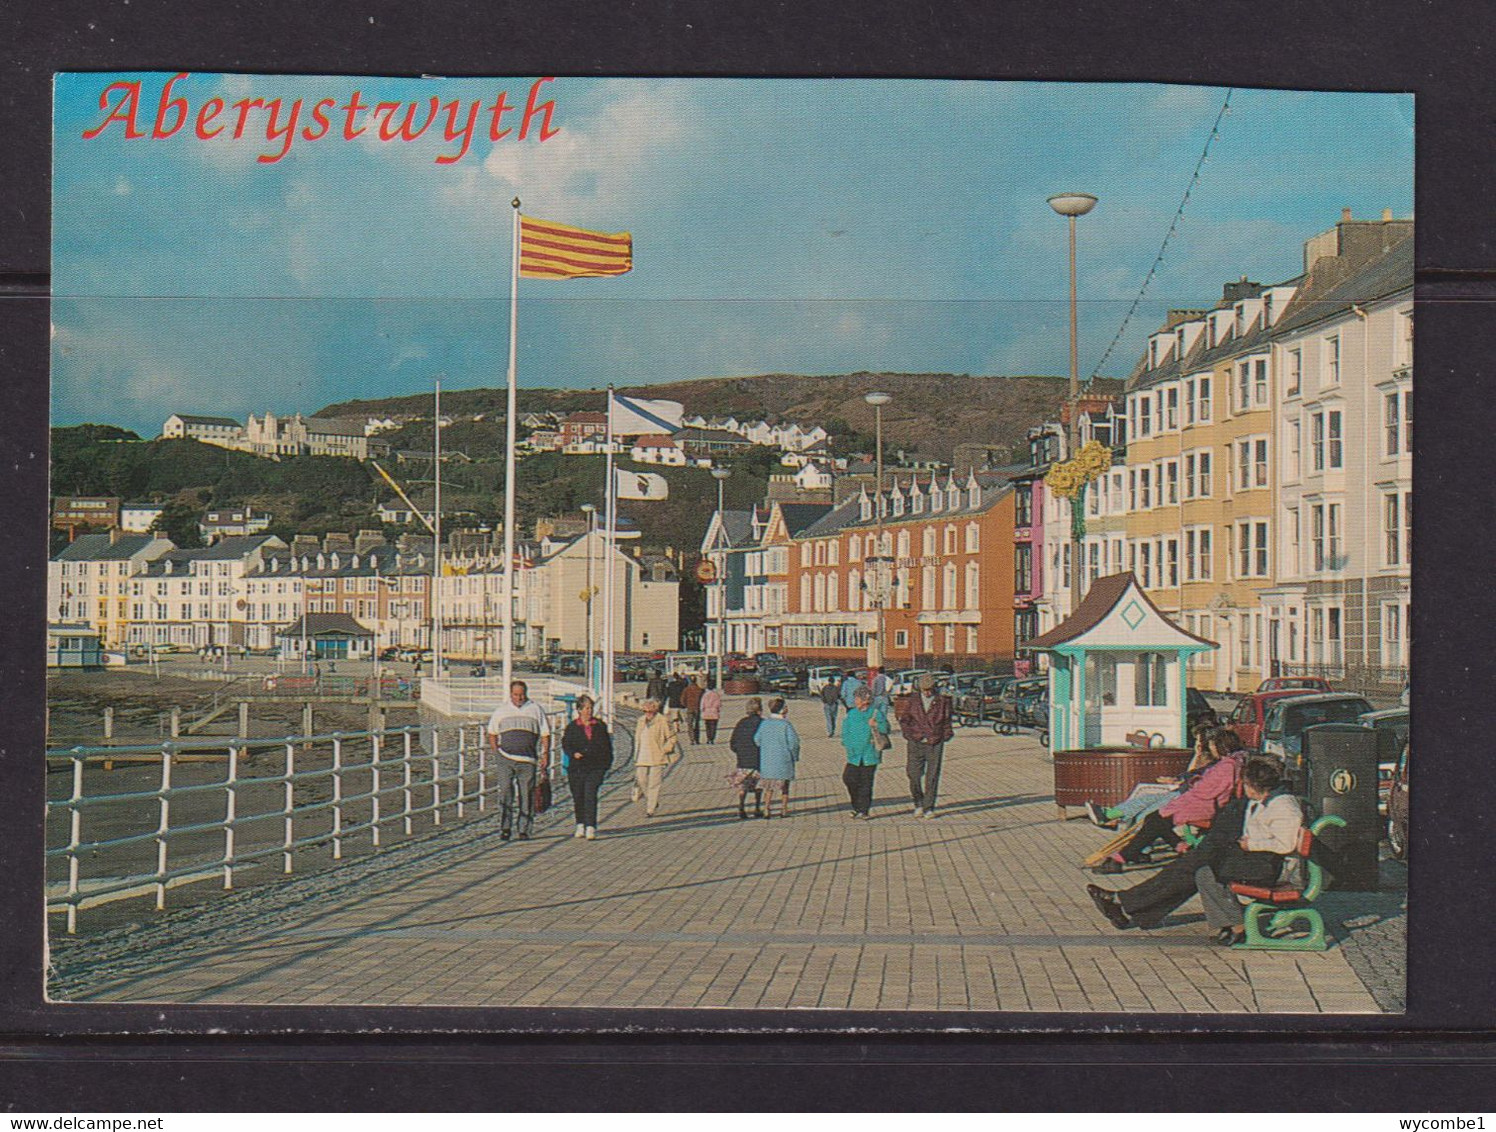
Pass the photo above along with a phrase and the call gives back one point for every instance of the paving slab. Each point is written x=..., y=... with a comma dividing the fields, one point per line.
x=983, y=908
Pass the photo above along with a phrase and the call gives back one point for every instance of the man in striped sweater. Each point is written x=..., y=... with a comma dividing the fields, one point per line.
x=519, y=734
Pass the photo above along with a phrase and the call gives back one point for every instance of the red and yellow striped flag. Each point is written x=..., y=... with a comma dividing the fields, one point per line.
x=548, y=250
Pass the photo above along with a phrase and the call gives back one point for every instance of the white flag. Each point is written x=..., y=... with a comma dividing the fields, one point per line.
x=641, y=485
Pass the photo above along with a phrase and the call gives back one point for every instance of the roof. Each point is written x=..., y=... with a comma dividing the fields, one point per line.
x=654, y=440
x=235, y=546
x=739, y=527
x=834, y=520
x=99, y=548
x=720, y=434
x=333, y=426
x=322, y=624
x=1372, y=266
x=798, y=516
x=1386, y=275
x=187, y=418
x=586, y=417
x=1103, y=597
x=141, y=506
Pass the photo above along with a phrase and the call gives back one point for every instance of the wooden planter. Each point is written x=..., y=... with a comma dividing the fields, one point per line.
x=1107, y=775
x=740, y=686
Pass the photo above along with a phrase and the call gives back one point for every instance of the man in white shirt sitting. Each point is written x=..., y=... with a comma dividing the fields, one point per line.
x=1247, y=843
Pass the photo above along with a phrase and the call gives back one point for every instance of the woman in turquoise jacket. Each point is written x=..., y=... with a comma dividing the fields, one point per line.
x=864, y=753
x=778, y=752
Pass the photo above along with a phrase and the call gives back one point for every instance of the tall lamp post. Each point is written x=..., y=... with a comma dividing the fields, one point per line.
x=1073, y=205
x=590, y=511
x=880, y=590
x=720, y=475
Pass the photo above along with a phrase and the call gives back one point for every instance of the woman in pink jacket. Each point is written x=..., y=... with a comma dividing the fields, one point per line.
x=1217, y=783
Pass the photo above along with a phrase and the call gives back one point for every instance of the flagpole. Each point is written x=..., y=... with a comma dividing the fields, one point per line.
x=436, y=534
x=508, y=590
x=609, y=569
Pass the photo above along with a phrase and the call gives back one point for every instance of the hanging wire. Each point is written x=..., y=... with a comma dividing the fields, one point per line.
x=1215, y=131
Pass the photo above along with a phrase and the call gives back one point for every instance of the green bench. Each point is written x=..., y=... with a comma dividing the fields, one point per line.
x=1282, y=917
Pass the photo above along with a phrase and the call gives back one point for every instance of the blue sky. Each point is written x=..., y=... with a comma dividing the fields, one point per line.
x=779, y=226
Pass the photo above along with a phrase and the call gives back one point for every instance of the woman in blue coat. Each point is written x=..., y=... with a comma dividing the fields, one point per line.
x=778, y=752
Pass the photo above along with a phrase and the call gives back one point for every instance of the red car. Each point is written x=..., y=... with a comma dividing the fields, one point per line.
x=1302, y=684
x=1251, y=713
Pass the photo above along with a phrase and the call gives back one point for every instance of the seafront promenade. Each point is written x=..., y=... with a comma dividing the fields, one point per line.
x=982, y=909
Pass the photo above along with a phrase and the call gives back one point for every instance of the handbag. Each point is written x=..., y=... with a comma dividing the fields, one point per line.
x=542, y=797
x=881, y=741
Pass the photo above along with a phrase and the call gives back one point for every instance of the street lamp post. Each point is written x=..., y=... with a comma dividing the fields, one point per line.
x=720, y=475
x=877, y=401
x=590, y=511
x=1073, y=205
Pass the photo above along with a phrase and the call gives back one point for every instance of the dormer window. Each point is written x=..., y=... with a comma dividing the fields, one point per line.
x=865, y=508
x=1267, y=309
x=952, y=497
x=1153, y=353
x=1179, y=343
x=1210, y=333
x=974, y=496
x=1240, y=322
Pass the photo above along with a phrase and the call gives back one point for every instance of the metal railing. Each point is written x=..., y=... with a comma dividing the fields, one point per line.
x=387, y=687
x=479, y=695
x=322, y=791
x=1366, y=680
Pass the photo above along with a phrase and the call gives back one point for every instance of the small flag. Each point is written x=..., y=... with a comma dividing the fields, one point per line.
x=641, y=485
x=558, y=251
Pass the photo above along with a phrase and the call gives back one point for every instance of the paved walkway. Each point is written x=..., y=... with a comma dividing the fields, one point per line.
x=981, y=909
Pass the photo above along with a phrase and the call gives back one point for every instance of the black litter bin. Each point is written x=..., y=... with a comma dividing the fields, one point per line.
x=1340, y=778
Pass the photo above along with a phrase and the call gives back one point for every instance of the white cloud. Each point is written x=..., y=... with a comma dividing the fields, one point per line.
x=593, y=171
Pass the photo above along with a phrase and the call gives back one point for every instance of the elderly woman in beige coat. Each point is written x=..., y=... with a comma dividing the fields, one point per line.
x=656, y=746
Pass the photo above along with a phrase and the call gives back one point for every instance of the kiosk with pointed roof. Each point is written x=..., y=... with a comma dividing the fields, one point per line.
x=1117, y=668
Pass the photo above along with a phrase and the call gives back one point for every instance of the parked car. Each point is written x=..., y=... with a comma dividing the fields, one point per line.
x=1016, y=704
x=1392, y=726
x=1198, y=712
x=782, y=680
x=979, y=703
x=1289, y=718
x=1250, y=715
x=902, y=682
x=391, y=653
x=1295, y=684
x=816, y=677
x=1397, y=809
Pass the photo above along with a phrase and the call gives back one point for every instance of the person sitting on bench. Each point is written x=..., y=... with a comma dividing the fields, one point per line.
x=1247, y=842
x=1196, y=804
x=1149, y=796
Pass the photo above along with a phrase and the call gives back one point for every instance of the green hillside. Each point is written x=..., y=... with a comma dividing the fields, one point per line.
x=930, y=413
x=318, y=494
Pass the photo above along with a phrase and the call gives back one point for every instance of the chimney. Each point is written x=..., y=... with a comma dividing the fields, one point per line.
x=1386, y=216
x=1345, y=216
x=114, y=535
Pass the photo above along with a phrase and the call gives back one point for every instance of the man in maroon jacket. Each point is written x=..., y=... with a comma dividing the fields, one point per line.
x=925, y=717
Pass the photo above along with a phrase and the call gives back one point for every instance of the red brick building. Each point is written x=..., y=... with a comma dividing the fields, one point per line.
x=584, y=426
x=944, y=572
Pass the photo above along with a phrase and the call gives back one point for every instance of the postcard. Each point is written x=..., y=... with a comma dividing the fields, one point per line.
x=939, y=549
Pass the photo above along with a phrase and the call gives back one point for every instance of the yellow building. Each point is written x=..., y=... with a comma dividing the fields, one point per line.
x=1200, y=477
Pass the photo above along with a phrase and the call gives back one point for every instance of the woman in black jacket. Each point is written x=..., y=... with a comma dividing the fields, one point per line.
x=745, y=748
x=589, y=753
